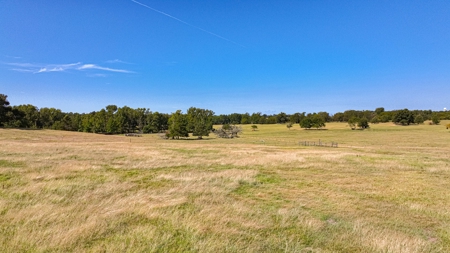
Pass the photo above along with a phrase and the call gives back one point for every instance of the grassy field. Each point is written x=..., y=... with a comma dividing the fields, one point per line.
x=385, y=189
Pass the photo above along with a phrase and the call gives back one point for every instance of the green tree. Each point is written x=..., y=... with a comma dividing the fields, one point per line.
x=363, y=123
x=435, y=119
x=296, y=117
x=111, y=109
x=99, y=122
x=112, y=124
x=282, y=118
x=254, y=127
x=245, y=119
x=403, y=117
x=317, y=121
x=375, y=120
x=289, y=125
x=48, y=116
x=4, y=108
x=234, y=118
x=31, y=115
x=139, y=116
x=352, y=122
x=199, y=121
x=325, y=116
x=255, y=118
x=338, y=117
x=306, y=123
x=419, y=119
x=178, y=125
x=379, y=110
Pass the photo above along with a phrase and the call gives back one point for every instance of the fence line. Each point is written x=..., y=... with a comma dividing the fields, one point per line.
x=320, y=144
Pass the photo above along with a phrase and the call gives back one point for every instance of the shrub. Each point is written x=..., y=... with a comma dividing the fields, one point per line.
x=228, y=131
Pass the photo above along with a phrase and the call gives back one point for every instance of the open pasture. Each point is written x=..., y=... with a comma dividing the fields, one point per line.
x=385, y=189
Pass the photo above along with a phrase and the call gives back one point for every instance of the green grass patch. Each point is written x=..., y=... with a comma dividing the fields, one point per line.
x=11, y=164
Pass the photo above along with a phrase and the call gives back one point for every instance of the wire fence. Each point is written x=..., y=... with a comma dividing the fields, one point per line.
x=319, y=143
x=282, y=142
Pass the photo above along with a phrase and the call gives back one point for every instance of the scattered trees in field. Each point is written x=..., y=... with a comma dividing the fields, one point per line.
x=117, y=120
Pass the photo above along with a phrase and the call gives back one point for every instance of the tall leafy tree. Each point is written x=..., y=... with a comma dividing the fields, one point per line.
x=435, y=119
x=255, y=118
x=352, y=122
x=379, y=110
x=419, y=119
x=282, y=118
x=289, y=125
x=363, y=123
x=200, y=121
x=234, y=118
x=4, y=108
x=31, y=115
x=49, y=116
x=245, y=119
x=403, y=117
x=178, y=125
x=317, y=121
x=306, y=123
x=296, y=117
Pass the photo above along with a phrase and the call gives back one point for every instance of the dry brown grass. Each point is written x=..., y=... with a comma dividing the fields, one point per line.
x=383, y=190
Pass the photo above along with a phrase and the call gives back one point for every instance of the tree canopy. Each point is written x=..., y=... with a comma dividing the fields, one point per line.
x=403, y=117
x=116, y=120
x=178, y=125
x=199, y=121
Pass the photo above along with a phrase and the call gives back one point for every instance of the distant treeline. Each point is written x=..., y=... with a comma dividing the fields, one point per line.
x=113, y=119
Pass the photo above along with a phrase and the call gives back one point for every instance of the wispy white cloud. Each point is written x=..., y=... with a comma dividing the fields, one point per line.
x=46, y=68
x=118, y=61
x=42, y=70
x=97, y=75
x=24, y=65
x=93, y=66
x=58, y=67
x=22, y=70
x=14, y=57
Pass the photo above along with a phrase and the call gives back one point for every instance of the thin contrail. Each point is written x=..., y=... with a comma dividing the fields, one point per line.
x=186, y=23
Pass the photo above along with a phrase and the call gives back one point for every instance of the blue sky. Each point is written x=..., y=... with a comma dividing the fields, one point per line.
x=227, y=56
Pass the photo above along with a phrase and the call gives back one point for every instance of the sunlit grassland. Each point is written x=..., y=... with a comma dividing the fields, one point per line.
x=385, y=189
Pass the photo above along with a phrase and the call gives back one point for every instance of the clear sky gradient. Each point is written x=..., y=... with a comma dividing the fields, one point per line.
x=227, y=56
